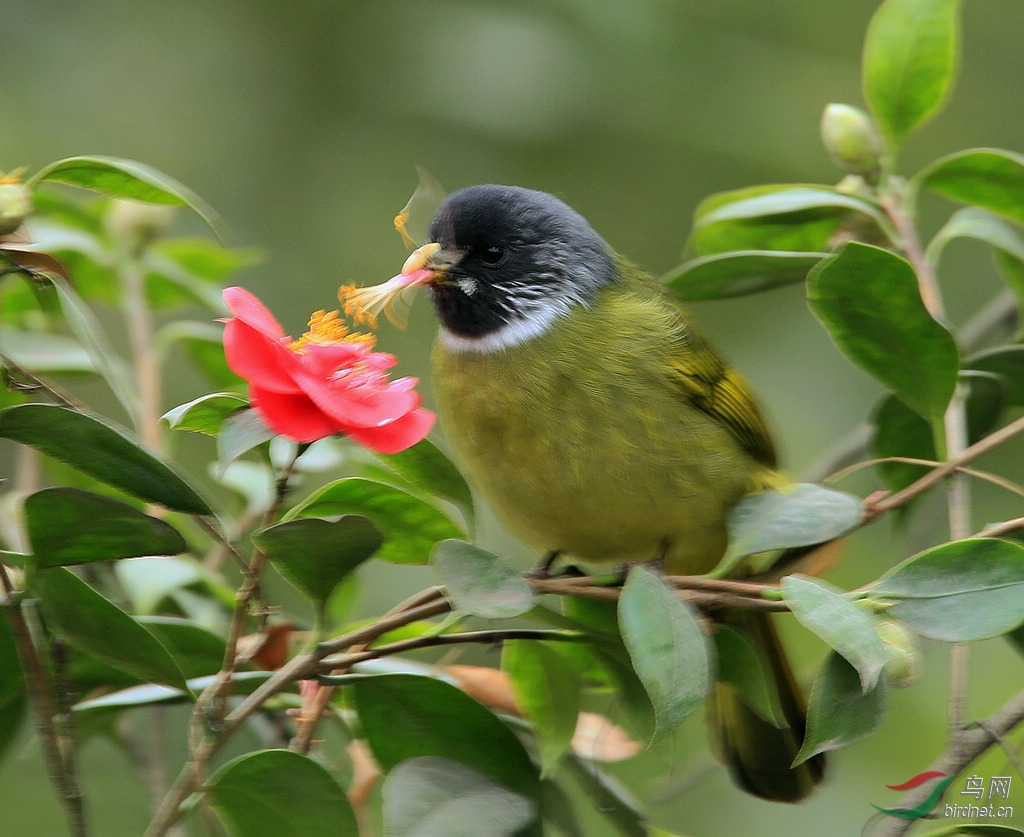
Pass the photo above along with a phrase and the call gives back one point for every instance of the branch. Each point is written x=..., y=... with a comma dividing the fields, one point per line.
x=965, y=745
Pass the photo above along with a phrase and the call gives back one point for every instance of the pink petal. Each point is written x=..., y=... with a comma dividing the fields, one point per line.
x=293, y=416
x=259, y=359
x=355, y=405
x=402, y=433
x=247, y=308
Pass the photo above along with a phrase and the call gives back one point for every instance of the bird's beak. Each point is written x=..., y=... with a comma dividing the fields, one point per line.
x=427, y=265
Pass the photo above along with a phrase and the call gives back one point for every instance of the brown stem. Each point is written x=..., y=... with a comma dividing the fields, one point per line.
x=41, y=697
x=965, y=745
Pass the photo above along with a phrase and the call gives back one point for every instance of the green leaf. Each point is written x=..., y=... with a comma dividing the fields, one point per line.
x=784, y=200
x=868, y=300
x=791, y=217
x=69, y=526
x=899, y=431
x=479, y=582
x=839, y=712
x=424, y=466
x=240, y=432
x=737, y=273
x=982, y=225
x=405, y=716
x=743, y=668
x=197, y=652
x=410, y=525
x=120, y=178
x=667, y=646
x=958, y=592
x=987, y=177
x=39, y=351
x=910, y=63
x=842, y=625
x=104, y=359
x=205, y=414
x=798, y=515
x=1008, y=363
x=315, y=554
x=438, y=797
x=279, y=793
x=547, y=691
x=97, y=627
x=95, y=448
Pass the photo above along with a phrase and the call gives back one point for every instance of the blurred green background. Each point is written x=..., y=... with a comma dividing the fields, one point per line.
x=302, y=124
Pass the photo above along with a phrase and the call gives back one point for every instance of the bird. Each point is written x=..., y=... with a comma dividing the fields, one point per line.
x=594, y=419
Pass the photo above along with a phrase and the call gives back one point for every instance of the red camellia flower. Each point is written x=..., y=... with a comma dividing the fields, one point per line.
x=328, y=381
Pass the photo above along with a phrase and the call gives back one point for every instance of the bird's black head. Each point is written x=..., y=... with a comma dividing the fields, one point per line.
x=511, y=261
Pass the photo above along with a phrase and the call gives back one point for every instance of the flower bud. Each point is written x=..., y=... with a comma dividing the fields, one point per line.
x=15, y=205
x=904, y=665
x=850, y=137
x=137, y=224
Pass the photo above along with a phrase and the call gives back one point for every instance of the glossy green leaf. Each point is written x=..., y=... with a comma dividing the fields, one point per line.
x=982, y=225
x=479, y=582
x=70, y=526
x=410, y=525
x=738, y=273
x=958, y=592
x=405, y=716
x=743, y=668
x=438, y=797
x=13, y=715
x=784, y=200
x=105, y=360
x=798, y=515
x=240, y=432
x=557, y=809
x=197, y=652
x=205, y=414
x=279, y=793
x=39, y=351
x=84, y=619
x=842, y=625
x=93, y=447
x=839, y=712
x=425, y=466
x=910, y=63
x=1008, y=363
x=899, y=431
x=667, y=647
x=120, y=178
x=547, y=692
x=987, y=177
x=868, y=300
x=315, y=554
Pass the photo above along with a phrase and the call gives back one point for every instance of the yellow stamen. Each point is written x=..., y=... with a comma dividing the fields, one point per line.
x=325, y=329
x=401, y=219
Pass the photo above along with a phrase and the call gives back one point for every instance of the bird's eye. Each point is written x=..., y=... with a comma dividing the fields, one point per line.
x=493, y=255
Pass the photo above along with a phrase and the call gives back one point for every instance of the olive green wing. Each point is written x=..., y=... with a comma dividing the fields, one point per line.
x=699, y=374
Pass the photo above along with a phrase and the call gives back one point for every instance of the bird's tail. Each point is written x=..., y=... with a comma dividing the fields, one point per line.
x=758, y=739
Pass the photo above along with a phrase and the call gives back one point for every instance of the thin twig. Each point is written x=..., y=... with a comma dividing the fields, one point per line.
x=965, y=745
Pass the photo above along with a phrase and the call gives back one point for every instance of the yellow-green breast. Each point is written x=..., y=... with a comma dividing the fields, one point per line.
x=602, y=437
